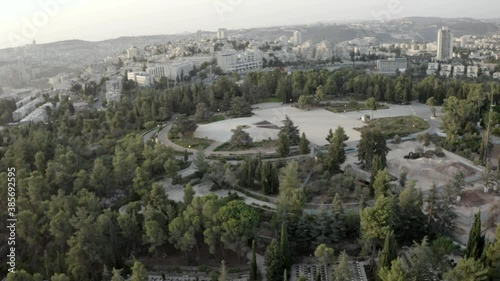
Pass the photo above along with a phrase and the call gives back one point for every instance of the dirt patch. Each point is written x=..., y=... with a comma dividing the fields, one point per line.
x=455, y=168
x=470, y=198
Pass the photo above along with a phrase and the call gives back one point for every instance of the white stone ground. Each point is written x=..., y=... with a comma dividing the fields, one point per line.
x=315, y=123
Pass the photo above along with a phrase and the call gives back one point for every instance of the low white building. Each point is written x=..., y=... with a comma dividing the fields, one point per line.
x=496, y=75
x=39, y=114
x=392, y=64
x=26, y=109
x=141, y=78
x=174, y=70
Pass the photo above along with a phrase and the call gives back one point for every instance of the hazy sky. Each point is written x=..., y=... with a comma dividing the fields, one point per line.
x=23, y=20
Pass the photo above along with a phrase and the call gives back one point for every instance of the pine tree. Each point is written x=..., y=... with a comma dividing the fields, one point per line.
x=253, y=264
x=336, y=153
x=286, y=257
x=304, y=145
x=272, y=262
x=381, y=183
x=342, y=271
x=374, y=169
x=389, y=252
x=475, y=245
x=283, y=145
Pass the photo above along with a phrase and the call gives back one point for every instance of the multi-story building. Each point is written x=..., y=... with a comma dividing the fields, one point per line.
x=297, y=38
x=496, y=75
x=324, y=51
x=473, y=71
x=232, y=61
x=114, y=89
x=141, y=78
x=199, y=35
x=222, y=33
x=458, y=71
x=133, y=52
x=392, y=64
x=446, y=70
x=432, y=68
x=444, y=44
x=174, y=70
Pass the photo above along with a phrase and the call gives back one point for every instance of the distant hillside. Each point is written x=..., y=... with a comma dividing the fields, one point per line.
x=428, y=26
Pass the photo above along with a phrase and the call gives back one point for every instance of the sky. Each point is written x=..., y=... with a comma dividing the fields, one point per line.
x=94, y=20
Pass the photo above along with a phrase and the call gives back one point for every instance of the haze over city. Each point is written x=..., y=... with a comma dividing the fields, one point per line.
x=96, y=20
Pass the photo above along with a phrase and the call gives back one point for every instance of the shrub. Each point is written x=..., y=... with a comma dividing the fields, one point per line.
x=396, y=139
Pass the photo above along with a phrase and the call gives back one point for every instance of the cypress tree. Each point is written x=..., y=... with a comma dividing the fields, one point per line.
x=304, y=145
x=253, y=264
x=272, y=262
x=475, y=245
x=389, y=252
x=286, y=257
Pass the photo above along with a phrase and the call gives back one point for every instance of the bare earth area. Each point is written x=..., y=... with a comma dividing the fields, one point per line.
x=437, y=170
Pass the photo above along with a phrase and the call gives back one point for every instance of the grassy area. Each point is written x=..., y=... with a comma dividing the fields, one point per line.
x=262, y=144
x=269, y=99
x=192, y=142
x=351, y=106
x=213, y=119
x=402, y=126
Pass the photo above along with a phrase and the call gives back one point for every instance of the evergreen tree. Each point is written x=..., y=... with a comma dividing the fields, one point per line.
x=342, y=271
x=381, y=184
x=272, y=262
x=329, y=136
x=336, y=153
x=389, y=252
x=139, y=272
x=374, y=169
x=286, y=257
x=304, y=145
x=253, y=264
x=475, y=245
x=372, y=143
x=283, y=145
x=396, y=273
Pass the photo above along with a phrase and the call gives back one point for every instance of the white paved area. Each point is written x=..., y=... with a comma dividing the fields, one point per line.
x=315, y=123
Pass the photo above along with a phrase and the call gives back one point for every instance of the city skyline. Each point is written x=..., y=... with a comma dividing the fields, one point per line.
x=57, y=20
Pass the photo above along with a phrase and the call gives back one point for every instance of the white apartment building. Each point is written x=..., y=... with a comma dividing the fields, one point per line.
x=173, y=70
x=199, y=35
x=444, y=44
x=133, y=52
x=198, y=60
x=446, y=70
x=432, y=68
x=473, y=71
x=392, y=64
x=222, y=33
x=297, y=38
x=141, y=78
x=233, y=61
x=459, y=70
